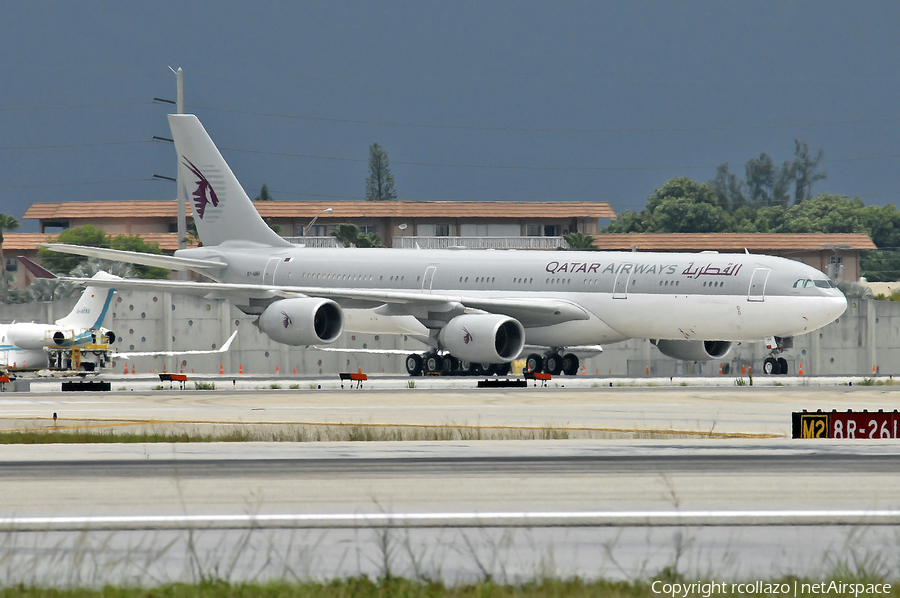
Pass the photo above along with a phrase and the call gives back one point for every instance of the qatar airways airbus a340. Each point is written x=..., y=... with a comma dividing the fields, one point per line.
x=478, y=310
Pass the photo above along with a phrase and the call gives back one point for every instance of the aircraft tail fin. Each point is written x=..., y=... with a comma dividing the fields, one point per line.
x=222, y=210
x=92, y=308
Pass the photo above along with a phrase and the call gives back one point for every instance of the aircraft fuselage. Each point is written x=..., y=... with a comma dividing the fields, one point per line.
x=712, y=296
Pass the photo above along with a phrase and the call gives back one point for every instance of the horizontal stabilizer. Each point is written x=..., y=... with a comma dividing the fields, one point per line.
x=36, y=270
x=134, y=257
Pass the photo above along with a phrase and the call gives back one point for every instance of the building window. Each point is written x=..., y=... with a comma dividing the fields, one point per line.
x=366, y=229
x=551, y=230
x=532, y=230
x=173, y=227
x=12, y=264
x=433, y=230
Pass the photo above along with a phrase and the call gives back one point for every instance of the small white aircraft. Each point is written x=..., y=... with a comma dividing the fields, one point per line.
x=479, y=310
x=34, y=346
x=28, y=345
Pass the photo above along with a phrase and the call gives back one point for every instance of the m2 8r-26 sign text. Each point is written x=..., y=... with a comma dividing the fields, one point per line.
x=846, y=424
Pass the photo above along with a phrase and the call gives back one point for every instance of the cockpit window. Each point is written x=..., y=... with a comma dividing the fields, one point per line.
x=806, y=283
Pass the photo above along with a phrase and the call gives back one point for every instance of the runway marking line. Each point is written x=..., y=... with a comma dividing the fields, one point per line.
x=111, y=423
x=471, y=519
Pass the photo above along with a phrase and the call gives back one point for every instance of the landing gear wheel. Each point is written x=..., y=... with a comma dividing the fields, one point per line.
x=433, y=363
x=414, y=364
x=448, y=364
x=771, y=366
x=503, y=369
x=488, y=369
x=553, y=364
x=782, y=366
x=534, y=363
x=465, y=368
x=570, y=364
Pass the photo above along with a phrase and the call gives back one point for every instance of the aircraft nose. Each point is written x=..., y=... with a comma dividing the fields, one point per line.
x=834, y=307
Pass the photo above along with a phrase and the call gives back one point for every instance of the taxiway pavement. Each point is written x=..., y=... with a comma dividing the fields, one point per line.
x=586, y=412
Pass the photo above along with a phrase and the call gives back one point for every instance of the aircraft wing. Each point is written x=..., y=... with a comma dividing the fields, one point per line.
x=130, y=354
x=135, y=257
x=371, y=351
x=530, y=312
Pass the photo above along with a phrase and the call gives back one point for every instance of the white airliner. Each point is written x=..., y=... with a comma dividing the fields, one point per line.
x=479, y=310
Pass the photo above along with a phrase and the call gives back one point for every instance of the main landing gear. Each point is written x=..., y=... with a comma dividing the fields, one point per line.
x=553, y=363
x=432, y=364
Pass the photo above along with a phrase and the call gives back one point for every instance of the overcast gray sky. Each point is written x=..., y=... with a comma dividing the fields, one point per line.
x=473, y=100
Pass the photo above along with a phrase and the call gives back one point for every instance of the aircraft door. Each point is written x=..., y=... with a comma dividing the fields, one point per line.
x=757, y=290
x=428, y=279
x=620, y=288
x=271, y=266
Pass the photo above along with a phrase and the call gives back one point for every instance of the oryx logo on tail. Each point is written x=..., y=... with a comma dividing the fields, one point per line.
x=204, y=194
x=467, y=337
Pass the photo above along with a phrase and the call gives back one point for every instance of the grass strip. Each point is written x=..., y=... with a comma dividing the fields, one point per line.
x=363, y=587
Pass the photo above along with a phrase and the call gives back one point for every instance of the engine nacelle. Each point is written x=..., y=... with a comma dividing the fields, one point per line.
x=488, y=338
x=694, y=350
x=302, y=321
x=26, y=335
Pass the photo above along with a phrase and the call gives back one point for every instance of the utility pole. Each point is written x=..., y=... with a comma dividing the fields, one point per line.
x=182, y=217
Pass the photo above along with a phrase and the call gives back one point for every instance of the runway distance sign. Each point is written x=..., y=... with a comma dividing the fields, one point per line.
x=846, y=424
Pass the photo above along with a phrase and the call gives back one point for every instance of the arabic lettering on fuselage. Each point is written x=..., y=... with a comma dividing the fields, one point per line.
x=612, y=268
x=710, y=270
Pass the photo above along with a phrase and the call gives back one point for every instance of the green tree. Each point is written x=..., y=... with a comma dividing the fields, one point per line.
x=825, y=214
x=264, y=194
x=7, y=223
x=579, y=241
x=91, y=236
x=348, y=234
x=62, y=263
x=679, y=206
x=380, y=182
x=369, y=240
x=684, y=215
x=137, y=244
x=805, y=171
x=191, y=235
x=728, y=188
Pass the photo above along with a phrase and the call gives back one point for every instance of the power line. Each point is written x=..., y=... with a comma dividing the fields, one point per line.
x=549, y=129
x=71, y=145
x=75, y=184
x=512, y=167
x=71, y=106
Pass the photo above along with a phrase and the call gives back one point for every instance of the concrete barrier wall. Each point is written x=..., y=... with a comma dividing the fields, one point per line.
x=867, y=335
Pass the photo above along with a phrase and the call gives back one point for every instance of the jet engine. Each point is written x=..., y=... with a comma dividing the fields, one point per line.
x=26, y=335
x=302, y=321
x=486, y=338
x=694, y=350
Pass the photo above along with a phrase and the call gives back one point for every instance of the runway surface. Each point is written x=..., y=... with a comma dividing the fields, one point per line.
x=592, y=412
x=748, y=504
x=514, y=508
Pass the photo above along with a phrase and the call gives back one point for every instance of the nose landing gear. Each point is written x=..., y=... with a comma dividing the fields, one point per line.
x=774, y=365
